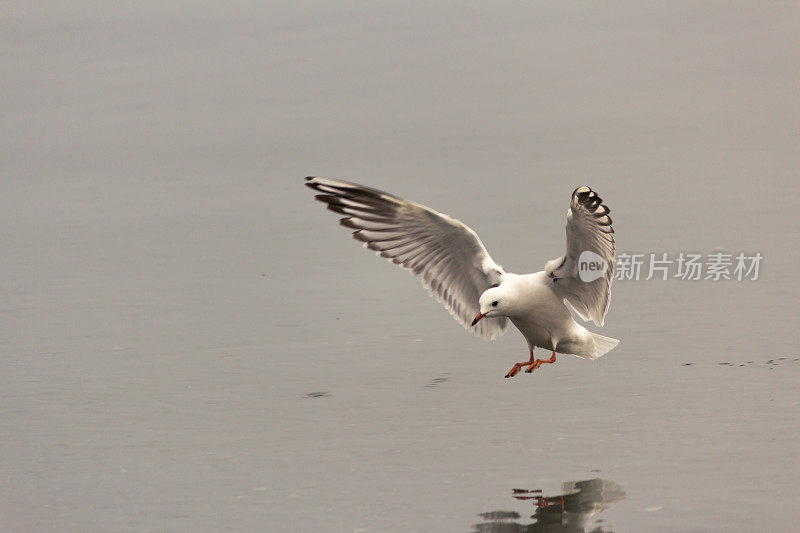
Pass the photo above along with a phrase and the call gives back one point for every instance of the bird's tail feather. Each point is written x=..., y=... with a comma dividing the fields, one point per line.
x=602, y=345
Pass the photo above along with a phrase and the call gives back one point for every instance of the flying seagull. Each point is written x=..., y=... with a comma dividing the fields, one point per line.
x=455, y=266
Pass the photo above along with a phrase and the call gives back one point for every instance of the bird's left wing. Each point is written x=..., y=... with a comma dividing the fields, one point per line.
x=448, y=256
x=588, y=230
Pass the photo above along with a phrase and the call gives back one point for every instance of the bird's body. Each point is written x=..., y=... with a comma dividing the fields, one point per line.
x=540, y=315
x=455, y=266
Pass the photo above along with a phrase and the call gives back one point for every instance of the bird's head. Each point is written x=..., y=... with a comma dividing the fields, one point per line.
x=493, y=302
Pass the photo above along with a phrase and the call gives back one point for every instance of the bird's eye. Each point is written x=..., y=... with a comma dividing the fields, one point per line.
x=494, y=303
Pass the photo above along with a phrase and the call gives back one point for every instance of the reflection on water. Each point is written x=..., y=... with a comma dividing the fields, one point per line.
x=567, y=512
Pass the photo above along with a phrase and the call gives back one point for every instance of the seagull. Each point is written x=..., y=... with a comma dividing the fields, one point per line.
x=454, y=265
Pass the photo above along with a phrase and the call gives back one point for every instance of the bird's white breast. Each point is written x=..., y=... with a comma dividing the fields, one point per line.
x=540, y=314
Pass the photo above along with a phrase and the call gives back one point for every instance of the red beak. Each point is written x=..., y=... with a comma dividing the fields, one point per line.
x=478, y=318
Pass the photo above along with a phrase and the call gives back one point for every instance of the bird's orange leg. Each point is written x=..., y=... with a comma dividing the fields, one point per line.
x=547, y=501
x=538, y=362
x=515, y=370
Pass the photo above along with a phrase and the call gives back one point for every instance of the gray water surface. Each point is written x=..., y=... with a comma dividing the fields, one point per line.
x=190, y=343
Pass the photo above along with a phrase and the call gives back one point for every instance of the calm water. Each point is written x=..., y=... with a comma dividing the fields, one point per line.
x=189, y=342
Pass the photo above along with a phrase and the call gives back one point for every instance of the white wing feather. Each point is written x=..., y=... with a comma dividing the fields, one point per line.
x=588, y=228
x=448, y=256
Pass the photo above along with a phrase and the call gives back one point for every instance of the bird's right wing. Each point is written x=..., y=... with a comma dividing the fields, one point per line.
x=450, y=258
x=588, y=230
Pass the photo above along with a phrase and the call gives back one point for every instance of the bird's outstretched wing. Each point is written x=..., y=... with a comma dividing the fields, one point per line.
x=448, y=256
x=588, y=230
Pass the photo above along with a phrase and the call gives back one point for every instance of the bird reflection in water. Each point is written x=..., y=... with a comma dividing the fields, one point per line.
x=570, y=511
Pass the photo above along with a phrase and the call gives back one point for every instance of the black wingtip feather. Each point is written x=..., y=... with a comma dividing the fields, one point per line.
x=593, y=202
x=327, y=198
x=359, y=236
x=347, y=223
